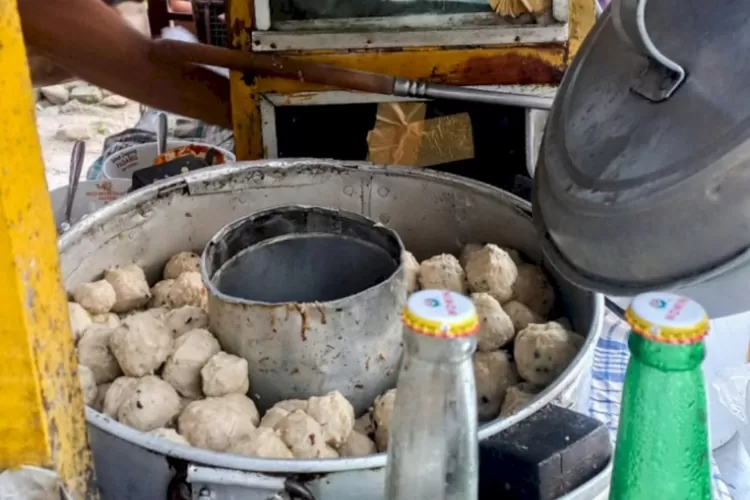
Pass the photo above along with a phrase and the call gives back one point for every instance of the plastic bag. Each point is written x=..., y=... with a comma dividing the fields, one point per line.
x=733, y=386
x=31, y=483
x=180, y=34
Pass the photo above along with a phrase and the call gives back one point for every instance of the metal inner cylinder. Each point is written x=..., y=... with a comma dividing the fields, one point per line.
x=301, y=255
x=311, y=297
x=315, y=267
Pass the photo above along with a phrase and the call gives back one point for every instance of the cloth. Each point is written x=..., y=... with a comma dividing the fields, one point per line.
x=607, y=379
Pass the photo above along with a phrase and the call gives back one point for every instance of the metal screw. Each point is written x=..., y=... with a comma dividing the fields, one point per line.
x=205, y=494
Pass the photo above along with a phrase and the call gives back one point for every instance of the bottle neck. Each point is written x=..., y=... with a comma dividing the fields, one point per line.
x=438, y=350
x=666, y=357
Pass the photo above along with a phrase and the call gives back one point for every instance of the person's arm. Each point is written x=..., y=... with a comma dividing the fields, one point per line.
x=91, y=41
x=44, y=72
x=181, y=6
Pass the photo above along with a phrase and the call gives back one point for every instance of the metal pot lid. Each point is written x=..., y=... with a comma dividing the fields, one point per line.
x=643, y=180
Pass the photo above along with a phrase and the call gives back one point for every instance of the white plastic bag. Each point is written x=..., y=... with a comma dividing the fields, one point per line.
x=180, y=34
x=31, y=483
x=733, y=386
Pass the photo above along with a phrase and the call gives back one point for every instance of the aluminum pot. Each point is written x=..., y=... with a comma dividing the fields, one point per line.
x=432, y=212
x=288, y=291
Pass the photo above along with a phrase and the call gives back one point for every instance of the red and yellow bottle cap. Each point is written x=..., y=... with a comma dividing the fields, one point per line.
x=441, y=313
x=667, y=318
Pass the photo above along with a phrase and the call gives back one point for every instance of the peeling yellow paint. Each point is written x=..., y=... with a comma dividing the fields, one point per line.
x=248, y=143
x=41, y=409
x=582, y=14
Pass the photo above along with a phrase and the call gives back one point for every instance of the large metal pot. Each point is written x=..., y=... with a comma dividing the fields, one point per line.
x=432, y=213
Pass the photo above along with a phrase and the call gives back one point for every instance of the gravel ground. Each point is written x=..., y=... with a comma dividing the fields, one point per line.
x=78, y=111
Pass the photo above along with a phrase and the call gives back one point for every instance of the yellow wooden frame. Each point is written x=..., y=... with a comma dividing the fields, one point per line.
x=41, y=409
x=539, y=64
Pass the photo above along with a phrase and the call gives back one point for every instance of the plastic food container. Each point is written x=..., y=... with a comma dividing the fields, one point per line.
x=90, y=196
x=122, y=164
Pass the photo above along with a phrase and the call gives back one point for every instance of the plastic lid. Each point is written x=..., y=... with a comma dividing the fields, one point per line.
x=667, y=318
x=441, y=313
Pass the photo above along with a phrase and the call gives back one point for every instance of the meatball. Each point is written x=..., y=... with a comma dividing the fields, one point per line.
x=97, y=297
x=543, y=351
x=365, y=424
x=169, y=435
x=189, y=355
x=491, y=270
x=131, y=287
x=225, y=374
x=182, y=262
x=153, y=403
x=516, y=398
x=262, y=442
x=381, y=415
x=533, y=289
x=160, y=294
x=184, y=319
x=411, y=271
x=88, y=384
x=272, y=417
x=520, y=315
x=101, y=392
x=94, y=352
x=442, y=272
x=79, y=320
x=217, y=423
x=188, y=290
x=304, y=436
x=494, y=373
x=357, y=445
x=466, y=252
x=141, y=344
x=334, y=414
x=496, y=327
x=109, y=319
x=291, y=405
x=118, y=391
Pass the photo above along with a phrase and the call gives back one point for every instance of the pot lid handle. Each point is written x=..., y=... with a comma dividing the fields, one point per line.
x=663, y=76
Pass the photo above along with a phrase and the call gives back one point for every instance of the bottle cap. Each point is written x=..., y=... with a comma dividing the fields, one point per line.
x=441, y=313
x=667, y=318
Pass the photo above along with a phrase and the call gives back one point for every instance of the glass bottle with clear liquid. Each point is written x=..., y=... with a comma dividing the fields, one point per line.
x=432, y=447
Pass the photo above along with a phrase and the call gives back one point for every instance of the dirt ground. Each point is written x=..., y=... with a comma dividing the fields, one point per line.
x=59, y=125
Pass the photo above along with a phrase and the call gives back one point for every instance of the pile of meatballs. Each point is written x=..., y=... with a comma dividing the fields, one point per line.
x=148, y=359
x=519, y=351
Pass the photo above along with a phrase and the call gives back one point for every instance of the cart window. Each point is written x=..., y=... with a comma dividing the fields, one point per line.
x=298, y=10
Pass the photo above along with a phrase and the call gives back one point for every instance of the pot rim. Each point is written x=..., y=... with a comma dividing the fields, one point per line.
x=233, y=226
x=201, y=182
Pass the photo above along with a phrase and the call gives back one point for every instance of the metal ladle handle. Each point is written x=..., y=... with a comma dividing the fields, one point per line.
x=663, y=75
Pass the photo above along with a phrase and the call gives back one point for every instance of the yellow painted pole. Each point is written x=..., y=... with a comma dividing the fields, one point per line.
x=41, y=406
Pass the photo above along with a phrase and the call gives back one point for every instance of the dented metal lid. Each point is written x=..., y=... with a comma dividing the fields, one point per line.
x=643, y=178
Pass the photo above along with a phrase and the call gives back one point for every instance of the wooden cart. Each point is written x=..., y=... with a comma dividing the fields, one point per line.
x=477, y=48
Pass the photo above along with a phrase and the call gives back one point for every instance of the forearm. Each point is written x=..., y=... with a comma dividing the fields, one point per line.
x=44, y=72
x=181, y=6
x=91, y=41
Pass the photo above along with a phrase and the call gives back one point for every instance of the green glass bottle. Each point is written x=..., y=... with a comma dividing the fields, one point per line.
x=662, y=450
